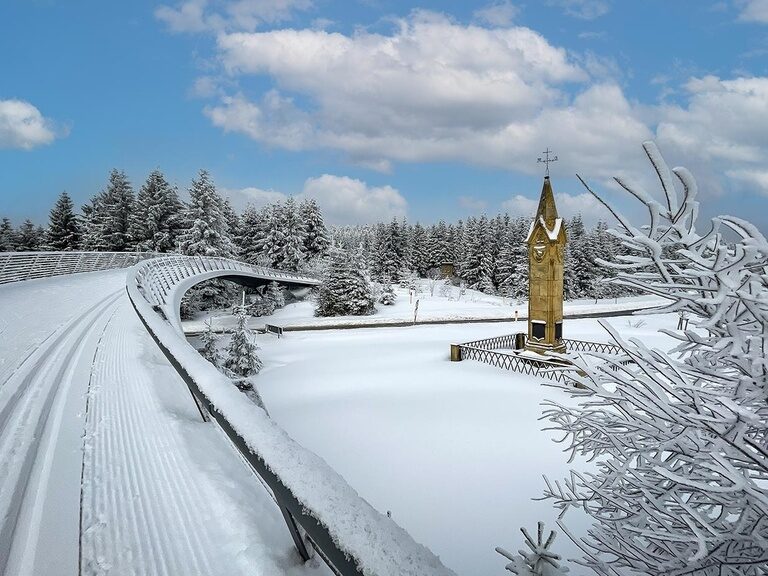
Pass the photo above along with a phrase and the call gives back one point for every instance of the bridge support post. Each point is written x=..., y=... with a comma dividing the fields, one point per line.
x=293, y=528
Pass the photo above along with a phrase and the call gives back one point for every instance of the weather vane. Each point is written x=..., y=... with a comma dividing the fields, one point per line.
x=546, y=160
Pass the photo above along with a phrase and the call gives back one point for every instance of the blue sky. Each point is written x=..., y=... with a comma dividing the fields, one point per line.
x=384, y=108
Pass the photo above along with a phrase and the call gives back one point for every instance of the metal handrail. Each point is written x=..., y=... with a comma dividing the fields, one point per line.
x=387, y=549
x=21, y=266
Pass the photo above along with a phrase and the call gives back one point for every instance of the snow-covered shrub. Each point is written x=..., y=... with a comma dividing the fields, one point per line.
x=680, y=443
x=345, y=290
x=388, y=296
x=445, y=289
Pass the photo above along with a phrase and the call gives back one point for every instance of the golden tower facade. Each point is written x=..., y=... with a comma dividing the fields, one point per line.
x=546, y=248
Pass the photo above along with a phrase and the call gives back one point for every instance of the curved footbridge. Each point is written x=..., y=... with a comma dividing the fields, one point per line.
x=106, y=466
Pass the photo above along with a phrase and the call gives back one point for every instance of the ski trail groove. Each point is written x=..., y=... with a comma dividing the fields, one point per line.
x=142, y=508
x=25, y=415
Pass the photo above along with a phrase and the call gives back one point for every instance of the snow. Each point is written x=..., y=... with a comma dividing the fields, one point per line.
x=473, y=305
x=454, y=450
x=552, y=234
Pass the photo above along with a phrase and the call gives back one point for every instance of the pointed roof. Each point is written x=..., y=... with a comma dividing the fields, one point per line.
x=547, y=209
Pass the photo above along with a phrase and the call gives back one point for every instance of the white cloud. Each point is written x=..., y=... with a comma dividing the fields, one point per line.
x=23, y=126
x=346, y=200
x=201, y=16
x=472, y=204
x=754, y=11
x=497, y=14
x=343, y=200
x=251, y=196
x=584, y=9
x=756, y=178
x=568, y=205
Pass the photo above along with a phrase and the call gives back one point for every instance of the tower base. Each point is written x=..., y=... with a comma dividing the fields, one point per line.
x=545, y=348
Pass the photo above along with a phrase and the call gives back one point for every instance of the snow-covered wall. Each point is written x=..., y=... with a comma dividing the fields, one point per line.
x=354, y=536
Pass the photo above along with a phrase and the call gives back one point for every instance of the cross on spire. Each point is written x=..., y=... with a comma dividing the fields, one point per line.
x=546, y=160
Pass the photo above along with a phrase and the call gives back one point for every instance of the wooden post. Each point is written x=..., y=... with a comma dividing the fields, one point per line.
x=455, y=353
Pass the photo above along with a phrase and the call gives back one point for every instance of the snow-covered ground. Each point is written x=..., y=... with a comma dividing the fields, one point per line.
x=452, y=306
x=454, y=450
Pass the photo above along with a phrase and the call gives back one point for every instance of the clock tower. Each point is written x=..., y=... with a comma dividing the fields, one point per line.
x=546, y=247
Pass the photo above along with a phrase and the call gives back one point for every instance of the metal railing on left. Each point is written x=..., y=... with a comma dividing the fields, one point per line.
x=20, y=266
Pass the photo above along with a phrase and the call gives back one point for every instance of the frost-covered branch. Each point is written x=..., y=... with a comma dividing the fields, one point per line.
x=680, y=441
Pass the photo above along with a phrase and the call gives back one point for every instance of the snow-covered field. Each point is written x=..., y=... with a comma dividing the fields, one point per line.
x=473, y=305
x=454, y=450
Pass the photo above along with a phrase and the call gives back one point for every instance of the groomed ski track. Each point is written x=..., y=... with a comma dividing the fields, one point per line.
x=105, y=464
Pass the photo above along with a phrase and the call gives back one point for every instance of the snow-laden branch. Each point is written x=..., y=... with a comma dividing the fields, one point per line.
x=679, y=440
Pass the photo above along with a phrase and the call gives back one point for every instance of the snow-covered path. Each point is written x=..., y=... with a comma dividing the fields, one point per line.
x=152, y=489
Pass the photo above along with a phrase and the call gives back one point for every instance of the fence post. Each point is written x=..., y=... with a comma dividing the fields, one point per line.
x=455, y=353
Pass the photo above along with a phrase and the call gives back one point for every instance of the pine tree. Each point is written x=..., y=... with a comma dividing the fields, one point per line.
x=513, y=262
x=275, y=295
x=316, y=241
x=107, y=216
x=233, y=224
x=156, y=220
x=269, y=244
x=390, y=256
x=209, y=351
x=250, y=234
x=344, y=290
x=28, y=237
x=388, y=296
x=205, y=232
x=8, y=238
x=242, y=360
x=289, y=253
x=63, y=227
x=419, y=254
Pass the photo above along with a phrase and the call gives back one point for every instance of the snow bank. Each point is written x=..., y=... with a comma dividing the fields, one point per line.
x=373, y=542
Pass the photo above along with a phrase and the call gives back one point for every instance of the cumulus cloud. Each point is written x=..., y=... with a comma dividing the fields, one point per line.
x=343, y=200
x=347, y=200
x=754, y=11
x=23, y=126
x=568, y=205
x=204, y=16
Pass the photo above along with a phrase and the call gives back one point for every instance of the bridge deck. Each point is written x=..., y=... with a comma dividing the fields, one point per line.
x=147, y=507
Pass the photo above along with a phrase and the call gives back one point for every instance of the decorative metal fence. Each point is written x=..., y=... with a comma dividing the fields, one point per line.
x=486, y=351
x=19, y=266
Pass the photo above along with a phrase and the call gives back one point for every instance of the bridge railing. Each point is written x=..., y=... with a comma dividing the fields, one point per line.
x=321, y=510
x=19, y=266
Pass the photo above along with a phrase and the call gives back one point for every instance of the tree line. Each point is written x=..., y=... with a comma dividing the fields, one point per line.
x=486, y=253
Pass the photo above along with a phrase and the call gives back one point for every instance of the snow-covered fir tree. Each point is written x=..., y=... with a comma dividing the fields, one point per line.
x=389, y=257
x=290, y=251
x=274, y=294
x=678, y=440
x=63, y=227
x=29, y=237
x=232, y=220
x=156, y=220
x=205, y=233
x=107, y=216
x=205, y=230
x=270, y=242
x=316, y=240
x=512, y=268
x=210, y=351
x=242, y=359
x=388, y=296
x=345, y=290
x=8, y=238
x=250, y=234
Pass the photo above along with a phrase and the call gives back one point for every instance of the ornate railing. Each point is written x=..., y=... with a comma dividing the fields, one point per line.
x=485, y=351
x=321, y=510
x=19, y=266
